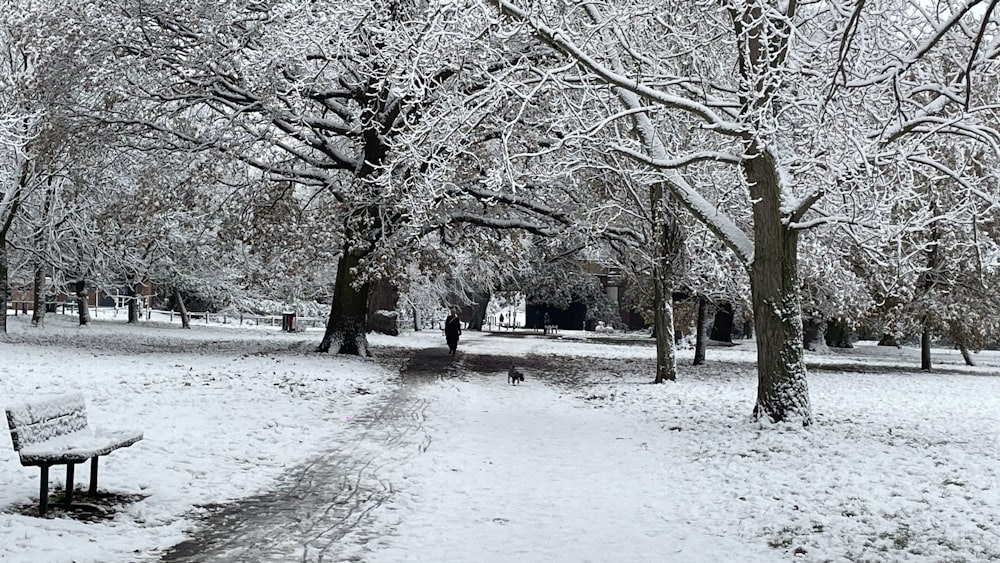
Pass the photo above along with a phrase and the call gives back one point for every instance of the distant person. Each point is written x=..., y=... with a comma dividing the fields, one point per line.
x=501, y=320
x=452, y=330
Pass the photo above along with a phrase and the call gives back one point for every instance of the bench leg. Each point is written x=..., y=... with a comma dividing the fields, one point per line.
x=93, y=476
x=69, y=483
x=43, y=491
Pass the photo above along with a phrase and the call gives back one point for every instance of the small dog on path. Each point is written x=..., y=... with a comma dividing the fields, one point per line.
x=513, y=376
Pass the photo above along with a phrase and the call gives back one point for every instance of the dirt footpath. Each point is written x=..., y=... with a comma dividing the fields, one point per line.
x=318, y=503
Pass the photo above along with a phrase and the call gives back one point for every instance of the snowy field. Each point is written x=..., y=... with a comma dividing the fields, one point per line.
x=900, y=465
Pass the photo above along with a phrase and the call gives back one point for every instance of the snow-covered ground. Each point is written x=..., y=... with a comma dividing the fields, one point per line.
x=900, y=465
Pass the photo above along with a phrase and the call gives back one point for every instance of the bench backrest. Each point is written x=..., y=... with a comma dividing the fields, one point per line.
x=31, y=423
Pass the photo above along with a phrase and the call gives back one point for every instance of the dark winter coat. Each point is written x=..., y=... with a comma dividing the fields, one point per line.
x=452, y=330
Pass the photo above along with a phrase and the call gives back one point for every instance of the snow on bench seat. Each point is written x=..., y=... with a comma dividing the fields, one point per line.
x=77, y=447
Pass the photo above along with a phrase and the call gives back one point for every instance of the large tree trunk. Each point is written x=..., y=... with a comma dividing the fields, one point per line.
x=703, y=328
x=38, y=301
x=182, y=309
x=782, y=391
x=814, y=333
x=345, y=330
x=667, y=243
x=838, y=334
x=382, y=302
x=477, y=311
x=82, y=302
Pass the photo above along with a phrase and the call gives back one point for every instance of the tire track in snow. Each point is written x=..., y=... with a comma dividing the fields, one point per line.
x=317, y=504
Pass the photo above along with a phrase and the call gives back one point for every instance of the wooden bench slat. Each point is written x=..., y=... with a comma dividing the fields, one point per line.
x=31, y=423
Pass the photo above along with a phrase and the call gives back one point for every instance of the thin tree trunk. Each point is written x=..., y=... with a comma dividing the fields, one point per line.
x=82, y=302
x=4, y=295
x=182, y=308
x=703, y=328
x=782, y=391
x=416, y=318
x=966, y=355
x=345, y=330
x=925, y=347
x=666, y=247
x=133, y=305
x=959, y=337
x=663, y=320
x=748, y=325
x=929, y=280
x=13, y=205
x=38, y=302
x=38, y=315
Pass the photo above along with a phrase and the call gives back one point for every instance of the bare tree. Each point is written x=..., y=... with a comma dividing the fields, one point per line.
x=304, y=96
x=764, y=82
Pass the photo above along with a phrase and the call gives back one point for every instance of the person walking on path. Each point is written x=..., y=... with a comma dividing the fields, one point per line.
x=452, y=330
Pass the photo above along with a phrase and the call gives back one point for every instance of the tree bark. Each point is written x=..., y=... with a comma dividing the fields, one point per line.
x=182, y=309
x=663, y=321
x=383, y=299
x=958, y=336
x=838, y=334
x=813, y=334
x=41, y=301
x=966, y=355
x=345, y=329
x=701, y=336
x=4, y=294
x=13, y=206
x=666, y=249
x=478, y=310
x=929, y=281
x=782, y=391
x=925, y=347
x=38, y=302
x=133, y=305
x=82, y=302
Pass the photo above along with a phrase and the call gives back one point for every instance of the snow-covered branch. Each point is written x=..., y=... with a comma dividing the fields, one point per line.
x=502, y=223
x=681, y=161
x=561, y=41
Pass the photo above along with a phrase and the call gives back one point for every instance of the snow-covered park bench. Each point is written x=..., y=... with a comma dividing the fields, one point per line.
x=55, y=432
